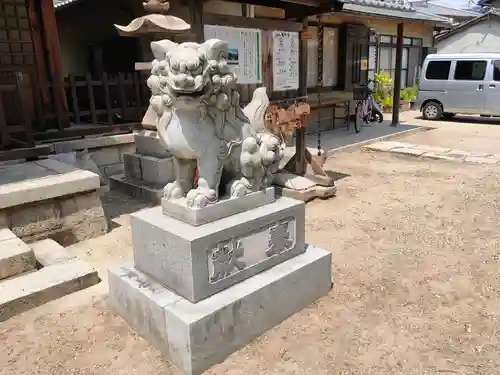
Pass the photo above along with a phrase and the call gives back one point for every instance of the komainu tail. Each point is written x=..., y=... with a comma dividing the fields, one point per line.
x=255, y=111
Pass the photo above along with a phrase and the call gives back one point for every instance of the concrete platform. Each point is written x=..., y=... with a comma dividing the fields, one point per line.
x=61, y=274
x=196, y=336
x=51, y=199
x=40, y=180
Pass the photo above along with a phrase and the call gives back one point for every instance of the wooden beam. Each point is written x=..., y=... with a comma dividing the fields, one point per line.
x=300, y=134
x=196, y=9
x=397, y=75
x=41, y=66
x=264, y=24
x=53, y=50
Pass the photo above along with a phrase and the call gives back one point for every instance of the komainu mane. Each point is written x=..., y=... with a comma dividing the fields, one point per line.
x=200, y=120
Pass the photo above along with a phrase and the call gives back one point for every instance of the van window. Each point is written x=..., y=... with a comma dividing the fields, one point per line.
x=438, y=70
x=470, y=70
x=496, y=71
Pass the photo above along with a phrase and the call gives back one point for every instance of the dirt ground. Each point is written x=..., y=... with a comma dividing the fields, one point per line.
x=416, y=255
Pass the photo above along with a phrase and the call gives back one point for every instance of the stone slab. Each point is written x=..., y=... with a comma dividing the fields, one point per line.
x=224, y=208
x=42, y=180
x=197, y=262
x=386, y=146
x=137, y=188
x=149, y=168
x=48, y=252
x=16, y=257
x=408, y=151
x=195, y=337
x=49, y=283
x=481, y=160
x=147, y=143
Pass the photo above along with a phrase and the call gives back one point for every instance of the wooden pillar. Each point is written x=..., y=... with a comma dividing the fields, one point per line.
x=397, y=75
x=196, y=8
x=300, y=134
x=51, y=38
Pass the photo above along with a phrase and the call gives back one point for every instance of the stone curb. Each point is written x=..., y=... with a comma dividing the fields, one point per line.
x=387, y=137
x=436, y=153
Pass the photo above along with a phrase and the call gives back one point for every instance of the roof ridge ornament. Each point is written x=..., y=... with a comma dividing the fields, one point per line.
x=157, y=22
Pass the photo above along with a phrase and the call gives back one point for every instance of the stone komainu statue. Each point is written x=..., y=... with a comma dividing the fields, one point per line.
x=200, y=120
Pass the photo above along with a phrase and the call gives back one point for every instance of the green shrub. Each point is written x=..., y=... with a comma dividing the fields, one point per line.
x=384, y=87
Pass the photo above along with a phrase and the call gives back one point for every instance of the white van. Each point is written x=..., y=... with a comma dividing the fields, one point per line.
x=467, y=83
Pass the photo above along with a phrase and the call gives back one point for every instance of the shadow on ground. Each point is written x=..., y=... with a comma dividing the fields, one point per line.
x=116, y=204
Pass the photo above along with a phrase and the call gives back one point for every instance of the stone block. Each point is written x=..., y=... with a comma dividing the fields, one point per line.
x=223, y=208
x=80, y=208
x=34, y=218
x=197, y=262
x=34, y=289
x=132, y=166
x=137, y=188
x=196, y=336
x=48, y=252
x=15, y=256
x=106, y=156
x=147, y=143
x=4, y=221
x=157, y=170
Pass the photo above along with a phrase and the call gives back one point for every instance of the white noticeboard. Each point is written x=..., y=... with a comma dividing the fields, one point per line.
x=245, y=51
x=285, y=60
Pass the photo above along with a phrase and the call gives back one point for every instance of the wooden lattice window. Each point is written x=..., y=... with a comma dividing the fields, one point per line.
x=16, y=46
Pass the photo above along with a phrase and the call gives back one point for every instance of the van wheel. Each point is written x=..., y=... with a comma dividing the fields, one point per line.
x=432, y=111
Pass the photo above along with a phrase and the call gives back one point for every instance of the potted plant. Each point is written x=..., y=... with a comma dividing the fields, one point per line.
x=408, y=98
x=384, y=91
x=387, y=104
x=405, y=99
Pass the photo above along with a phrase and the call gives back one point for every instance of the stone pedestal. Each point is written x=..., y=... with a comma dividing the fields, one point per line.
x=147, y=170
x=200, y=292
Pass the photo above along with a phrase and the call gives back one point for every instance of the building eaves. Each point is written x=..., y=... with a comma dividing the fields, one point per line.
x=465, y=25
x=410, y=14
x=442, y=10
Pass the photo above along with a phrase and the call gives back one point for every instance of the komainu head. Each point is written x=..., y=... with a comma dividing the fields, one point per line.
x=188, y=73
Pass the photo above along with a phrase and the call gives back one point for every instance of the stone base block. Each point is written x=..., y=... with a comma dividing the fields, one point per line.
x=224, y=208
x=197, y=336
x=197, y=262
x=149, y=168
x=138, y=189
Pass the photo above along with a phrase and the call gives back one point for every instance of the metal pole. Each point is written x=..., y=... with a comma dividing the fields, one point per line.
x=397, y=75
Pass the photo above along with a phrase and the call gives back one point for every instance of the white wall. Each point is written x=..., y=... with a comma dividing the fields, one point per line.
x=481, y=37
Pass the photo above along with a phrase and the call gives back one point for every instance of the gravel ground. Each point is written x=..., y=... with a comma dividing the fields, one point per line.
x=416, y=254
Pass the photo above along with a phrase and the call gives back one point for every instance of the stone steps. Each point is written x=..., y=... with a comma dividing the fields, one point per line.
x=59, y=274
x=15, y=256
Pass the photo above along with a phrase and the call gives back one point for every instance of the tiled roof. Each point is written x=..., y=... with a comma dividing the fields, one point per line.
x=407, y=14
x=444, y=11
x=390, y=4
x=387, y=4
x=463, y=26
x=61, y=3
